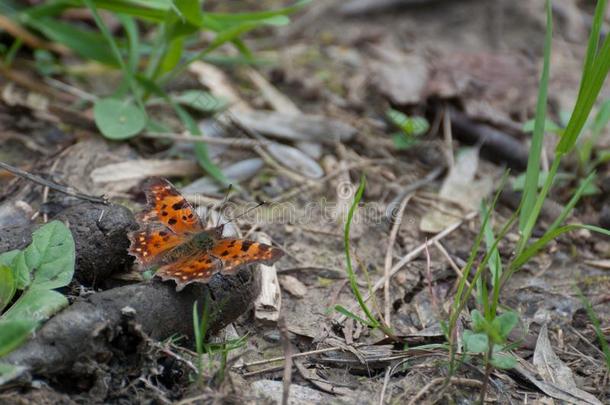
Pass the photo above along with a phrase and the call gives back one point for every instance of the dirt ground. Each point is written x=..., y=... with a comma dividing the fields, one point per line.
x=471, y=67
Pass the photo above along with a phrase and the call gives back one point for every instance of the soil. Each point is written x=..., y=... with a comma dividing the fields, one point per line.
x=470, y=67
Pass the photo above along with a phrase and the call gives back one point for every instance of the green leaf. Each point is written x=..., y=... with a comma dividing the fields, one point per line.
x=411, y=126
x=479, y=323
x=191, y=11
x=503, y=360
x=519, y=181
x=200, y=100
x=172, y=56
x=51, y=256
x=549, y=126
x=7, y=286
x=475, y=342
x=16, y=261
x=530, y=190
x=36, y=304
x=504, y=323
x=597, y=65
x=86, y=43
x=118, y=119
x=201, y=150
x=21, y=271
x=14, y=333
x=348, y=258
x=9, y=372
x=402, y=142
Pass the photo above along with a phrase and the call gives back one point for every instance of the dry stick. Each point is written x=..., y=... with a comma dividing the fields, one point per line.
x=388, y=254
x=294, y=356
x=453, y=265
x=429, y=279
x=410, y=256
x=287, y=377
x=54, y=186
x=386, y=380
x=448, y=135
x=237, y=142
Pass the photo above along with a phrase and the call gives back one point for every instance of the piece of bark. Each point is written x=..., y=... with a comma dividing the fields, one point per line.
x=89, y=328
x=268, y=304
x=99, y=233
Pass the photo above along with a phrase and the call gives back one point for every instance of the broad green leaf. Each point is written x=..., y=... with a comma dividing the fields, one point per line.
x=36, y=304
x=13, y=333
x=21, y=271
x=403, y=142
x=9, y=372
x=51, y=256
x=479, y=323
x=16, y=261
x=7, y=286
x=503, y=360
x=504, y=323
x=200, y=100
x=411, y=126
x=475, y=342
x=118, y=119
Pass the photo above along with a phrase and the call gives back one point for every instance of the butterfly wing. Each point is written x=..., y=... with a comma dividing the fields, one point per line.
x=149, y=243
x=236, y=253
x=168, y=206
x=198, y=267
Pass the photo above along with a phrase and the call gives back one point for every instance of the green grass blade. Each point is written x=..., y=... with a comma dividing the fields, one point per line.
x=530, y=189
x=531, y=220
x=586, y=98
x=342, y=310
x=538, y=245
x=349, y=269
x=572, y=203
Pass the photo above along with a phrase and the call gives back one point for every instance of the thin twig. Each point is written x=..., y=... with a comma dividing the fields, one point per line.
x=294, y=356
x=429, y=279
x=287, y=377
x=453, y=265
x=236, y=142
x=388, y=254
x=386, y=380
x=54, y=186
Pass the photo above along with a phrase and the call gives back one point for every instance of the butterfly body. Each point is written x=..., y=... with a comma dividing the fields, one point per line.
x=173, y=237
x=202, y=241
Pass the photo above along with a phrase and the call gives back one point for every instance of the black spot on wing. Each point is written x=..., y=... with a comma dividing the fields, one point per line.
x=179, y=205
x=172, y=221
x=246, y=245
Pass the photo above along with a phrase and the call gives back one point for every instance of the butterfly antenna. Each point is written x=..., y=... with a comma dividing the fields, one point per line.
x=244, y=213
x=224, y=201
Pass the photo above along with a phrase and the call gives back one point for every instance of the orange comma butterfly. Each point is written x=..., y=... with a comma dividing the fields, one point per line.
x=172, y=236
